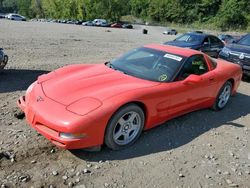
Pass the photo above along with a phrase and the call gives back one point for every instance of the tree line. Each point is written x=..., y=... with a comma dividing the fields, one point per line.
x=224, y=14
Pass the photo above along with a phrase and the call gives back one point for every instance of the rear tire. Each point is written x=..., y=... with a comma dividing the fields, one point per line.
x=125, y=127
x=223, y=96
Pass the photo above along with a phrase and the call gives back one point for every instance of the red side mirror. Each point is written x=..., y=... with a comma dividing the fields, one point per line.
x=192, y=79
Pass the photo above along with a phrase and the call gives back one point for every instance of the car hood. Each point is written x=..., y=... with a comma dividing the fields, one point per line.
x=183, y=44
x=239, y=48
x=71, y=83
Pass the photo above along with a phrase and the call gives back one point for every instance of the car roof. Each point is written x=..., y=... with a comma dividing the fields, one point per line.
x=173, y=49
x=244, y=36
x=247, y=35
x=198, y=34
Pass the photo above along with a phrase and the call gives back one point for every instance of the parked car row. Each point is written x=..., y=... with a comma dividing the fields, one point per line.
x=227, y=47
x=104, y=23
x=95, y=22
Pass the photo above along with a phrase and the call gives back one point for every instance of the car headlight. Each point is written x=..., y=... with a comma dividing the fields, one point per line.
x=225, y=51
x=72, y=135
x=30, y=88
x=84, y=106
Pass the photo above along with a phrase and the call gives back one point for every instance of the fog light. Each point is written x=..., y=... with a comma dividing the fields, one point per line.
x=72, y=135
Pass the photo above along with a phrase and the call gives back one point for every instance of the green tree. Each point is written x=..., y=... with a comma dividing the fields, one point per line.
x=37, y=9
x=231, y=15
x=24, y=7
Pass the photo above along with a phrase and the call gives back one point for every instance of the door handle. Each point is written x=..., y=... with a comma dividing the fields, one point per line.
x=211, y=79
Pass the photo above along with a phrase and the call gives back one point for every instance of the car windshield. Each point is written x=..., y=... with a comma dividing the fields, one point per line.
x=189, y=38
x=245, y=40
x=148, y=64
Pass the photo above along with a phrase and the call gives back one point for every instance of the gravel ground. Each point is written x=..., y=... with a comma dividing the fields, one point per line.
x=200, y=149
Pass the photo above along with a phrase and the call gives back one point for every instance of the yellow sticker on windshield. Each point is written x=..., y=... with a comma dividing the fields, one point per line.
x=163, y=77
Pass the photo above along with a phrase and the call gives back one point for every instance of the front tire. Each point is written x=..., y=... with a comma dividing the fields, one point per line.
x=125, y=127
x=223, y=96
x=6, y=58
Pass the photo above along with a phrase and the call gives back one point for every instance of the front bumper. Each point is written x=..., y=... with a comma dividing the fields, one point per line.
x=51, y=118
x=234, y=58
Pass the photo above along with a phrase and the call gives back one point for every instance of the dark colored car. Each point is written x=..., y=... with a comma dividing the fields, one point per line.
x=239, y=53
x=227, y=38
x=3, y=59
x=206, y=43
x=197, y=31
x=78, y=22
x=127, y=26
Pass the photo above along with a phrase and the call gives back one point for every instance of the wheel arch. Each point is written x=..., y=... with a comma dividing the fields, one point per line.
x=138, y=103
x=232, y=81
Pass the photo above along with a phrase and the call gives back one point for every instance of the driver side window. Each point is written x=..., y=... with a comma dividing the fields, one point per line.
x=206, y=41
x=194, y=65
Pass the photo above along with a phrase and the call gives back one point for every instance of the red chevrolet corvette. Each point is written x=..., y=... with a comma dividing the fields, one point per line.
x=82, y=106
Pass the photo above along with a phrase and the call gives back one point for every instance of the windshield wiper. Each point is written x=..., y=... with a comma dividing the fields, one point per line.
x=110, y=65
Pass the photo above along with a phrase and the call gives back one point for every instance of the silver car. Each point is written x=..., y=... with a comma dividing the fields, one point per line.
x=170, y=32
x=88, y=23
x=16, y=17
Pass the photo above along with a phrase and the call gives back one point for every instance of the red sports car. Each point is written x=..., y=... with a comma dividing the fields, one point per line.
x=116, y=25
x=82, y=106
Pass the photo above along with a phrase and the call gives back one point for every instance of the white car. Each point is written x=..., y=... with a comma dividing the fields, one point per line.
x=170, y=32
x=16, y=17
x=99, y=22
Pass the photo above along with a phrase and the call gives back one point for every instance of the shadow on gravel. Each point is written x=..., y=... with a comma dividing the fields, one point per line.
x=176, y=133
x=16, y=80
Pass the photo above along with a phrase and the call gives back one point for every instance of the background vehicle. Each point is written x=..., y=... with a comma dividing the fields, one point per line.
x=227, y=38
x=238, y=53
x=105, y=24
x=127, y=26
x=98, y=22
x=78, y=22
x=16, y=17
x=206, y=43
x=143, y=82
x=88, y=23
x=170, y=32
x=116, y=25
x=3, y=59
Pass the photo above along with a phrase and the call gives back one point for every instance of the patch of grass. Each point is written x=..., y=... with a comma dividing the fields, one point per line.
x=207, y=27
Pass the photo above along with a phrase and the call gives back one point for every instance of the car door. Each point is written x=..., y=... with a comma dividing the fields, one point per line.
x=206, y=46
x=198, y=83
x=216, y=45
